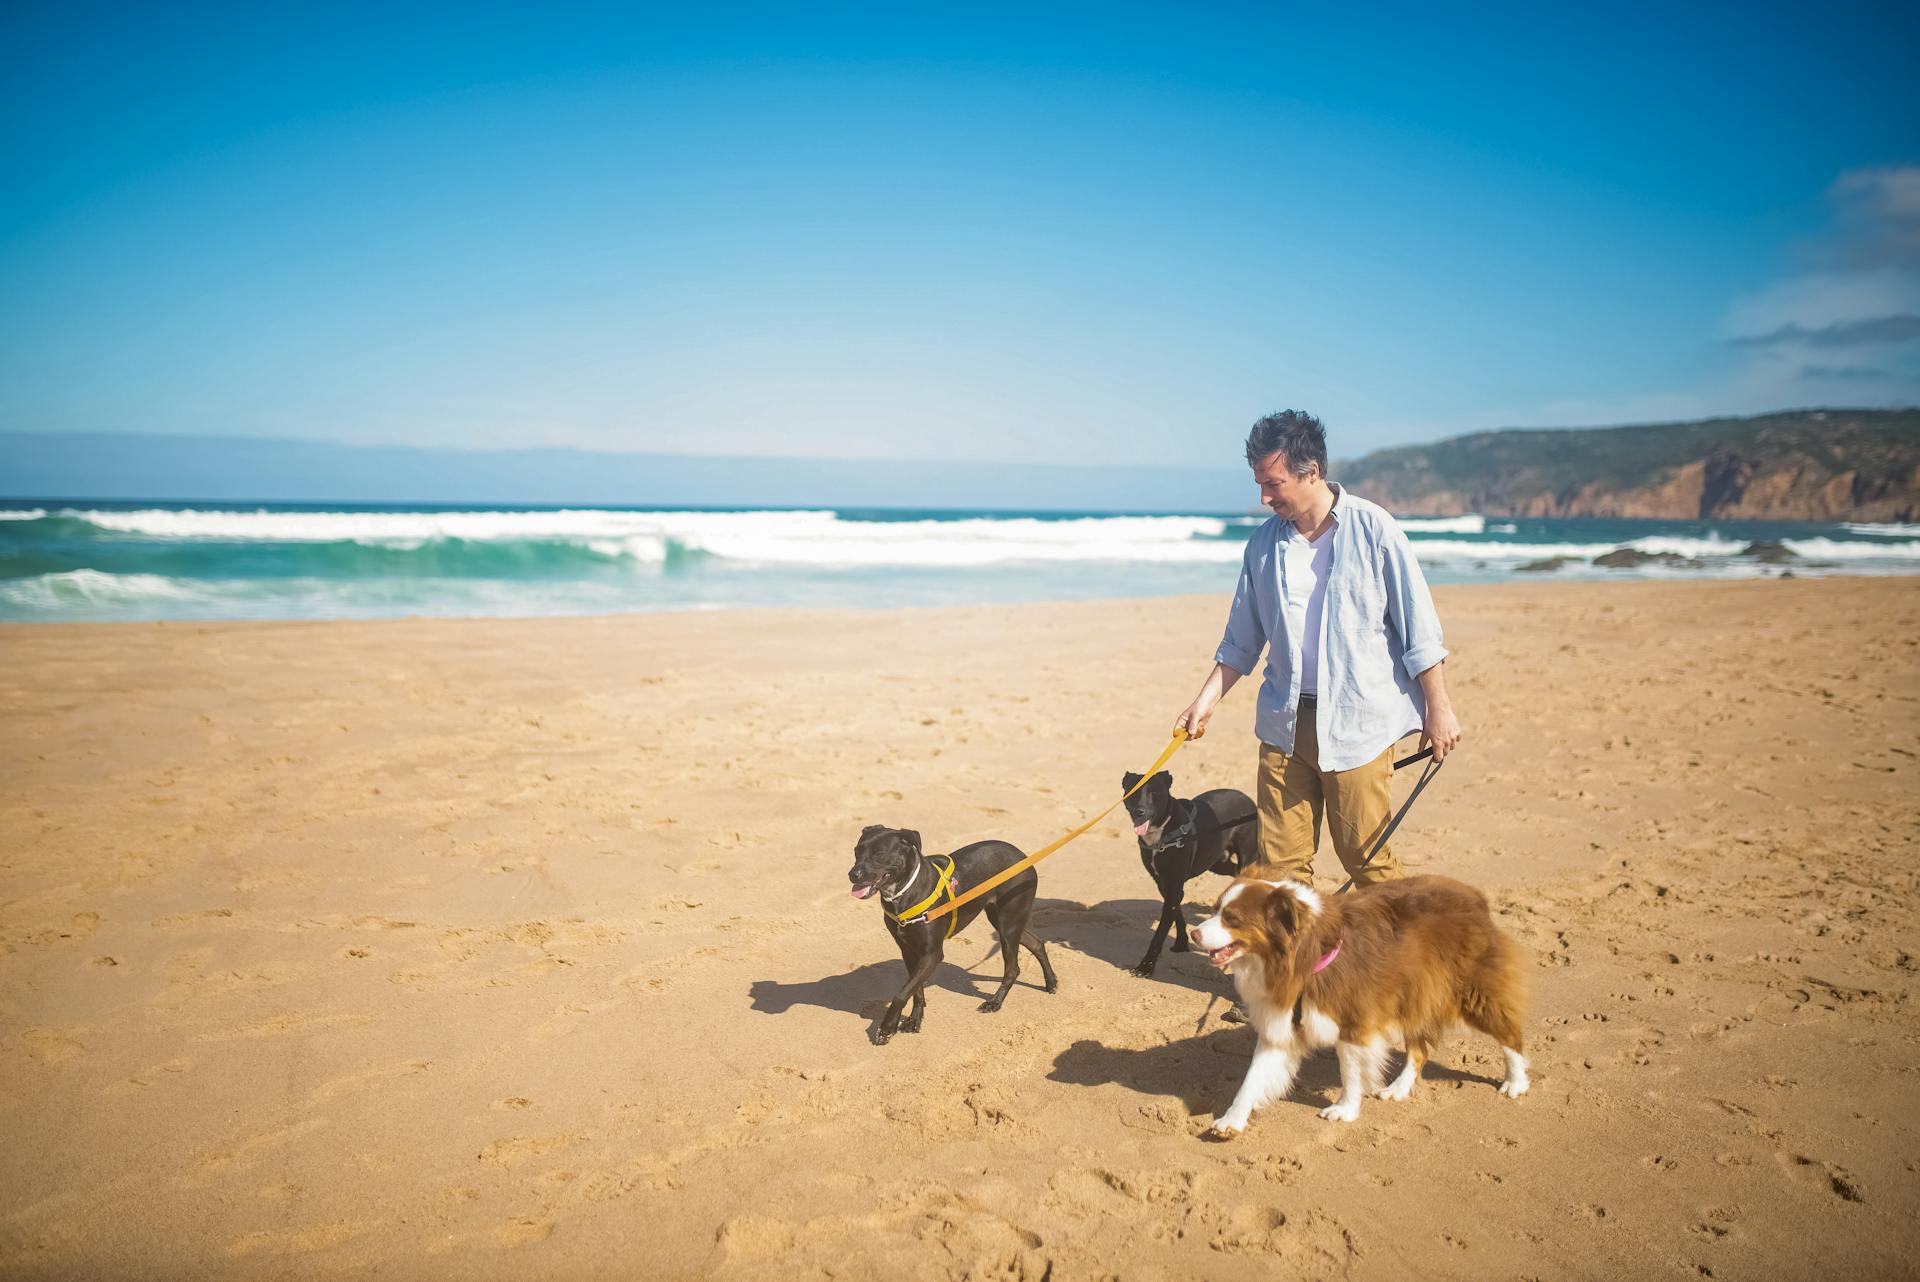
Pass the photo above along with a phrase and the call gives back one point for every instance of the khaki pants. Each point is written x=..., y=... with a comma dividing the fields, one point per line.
x=1293, y=793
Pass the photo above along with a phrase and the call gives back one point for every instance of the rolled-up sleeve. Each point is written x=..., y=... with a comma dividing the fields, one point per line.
x=1410, y=604
x=1246, y=635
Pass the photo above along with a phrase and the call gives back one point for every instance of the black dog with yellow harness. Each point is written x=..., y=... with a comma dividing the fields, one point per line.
x=889, y=861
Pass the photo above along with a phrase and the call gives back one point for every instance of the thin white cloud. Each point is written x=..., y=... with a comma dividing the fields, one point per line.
x=1858, y=289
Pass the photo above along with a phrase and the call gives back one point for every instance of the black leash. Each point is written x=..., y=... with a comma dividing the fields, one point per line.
x=1402, y=764
x=1426, y=777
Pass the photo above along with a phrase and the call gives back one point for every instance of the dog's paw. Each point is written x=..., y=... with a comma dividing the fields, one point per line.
x=990, y=1005
x=1514, y=1087
x=1053, y=985
x=1343, y=1111
x=1222, y=1131
x=879, y=1038
x=1398, y=1089
x=1145, y=969
x=910, y=1025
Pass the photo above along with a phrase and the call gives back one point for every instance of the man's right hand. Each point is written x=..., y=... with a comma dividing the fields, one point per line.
x=1194, y=719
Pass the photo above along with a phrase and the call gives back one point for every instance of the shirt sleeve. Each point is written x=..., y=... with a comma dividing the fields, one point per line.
x=1410, y=604
x=1246, y=635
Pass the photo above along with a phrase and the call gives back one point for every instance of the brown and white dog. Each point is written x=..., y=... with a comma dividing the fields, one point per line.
x=1398, y=962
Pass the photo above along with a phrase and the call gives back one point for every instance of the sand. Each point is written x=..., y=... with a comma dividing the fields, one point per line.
x=523, y=949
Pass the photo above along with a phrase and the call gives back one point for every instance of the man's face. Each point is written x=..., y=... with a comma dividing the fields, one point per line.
x=1287, y=496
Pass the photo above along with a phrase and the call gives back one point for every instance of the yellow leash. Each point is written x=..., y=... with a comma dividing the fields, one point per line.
x=953, y=905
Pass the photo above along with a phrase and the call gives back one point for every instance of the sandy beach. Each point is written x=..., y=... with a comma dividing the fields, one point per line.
x=471, y=949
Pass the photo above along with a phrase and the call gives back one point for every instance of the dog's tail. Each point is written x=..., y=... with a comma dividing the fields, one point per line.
x=1494, y=998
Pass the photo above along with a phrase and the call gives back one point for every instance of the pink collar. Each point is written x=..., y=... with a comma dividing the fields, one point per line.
x=1327, y=961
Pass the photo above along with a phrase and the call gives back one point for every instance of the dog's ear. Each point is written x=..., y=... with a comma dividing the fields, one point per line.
x=1128, y=780
x=1283, y=912
x=870, y=829
x=1162, y=780
x=912, y=838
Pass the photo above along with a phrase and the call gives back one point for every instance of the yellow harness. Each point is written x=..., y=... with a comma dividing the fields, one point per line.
x=944, y=884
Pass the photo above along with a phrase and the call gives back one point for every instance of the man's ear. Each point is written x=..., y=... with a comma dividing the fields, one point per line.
x=912, y=838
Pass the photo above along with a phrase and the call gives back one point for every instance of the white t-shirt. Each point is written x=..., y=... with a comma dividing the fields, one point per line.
x=1307, y=564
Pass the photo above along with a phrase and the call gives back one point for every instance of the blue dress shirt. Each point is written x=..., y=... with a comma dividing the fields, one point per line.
x=1378, y=633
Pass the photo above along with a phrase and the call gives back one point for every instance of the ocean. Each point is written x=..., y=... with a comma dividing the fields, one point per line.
x=71, y=561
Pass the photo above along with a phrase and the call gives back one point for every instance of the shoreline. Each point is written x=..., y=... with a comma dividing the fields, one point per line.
x=1210, y=599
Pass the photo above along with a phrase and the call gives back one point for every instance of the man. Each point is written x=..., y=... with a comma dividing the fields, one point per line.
x=1330, y=588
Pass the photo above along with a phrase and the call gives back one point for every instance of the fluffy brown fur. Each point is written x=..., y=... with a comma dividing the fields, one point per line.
x=1416, y=956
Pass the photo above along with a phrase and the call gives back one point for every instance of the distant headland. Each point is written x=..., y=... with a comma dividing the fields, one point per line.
x=1799, y=465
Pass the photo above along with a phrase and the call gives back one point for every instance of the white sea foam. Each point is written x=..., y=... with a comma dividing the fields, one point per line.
x=1825, y=549
x=1885, y=529
x=408, y=529
x=92, y=588
x=1443, y=524
x=22, y=514
x=1462, y=550
x=783, y=538
x=970, y=542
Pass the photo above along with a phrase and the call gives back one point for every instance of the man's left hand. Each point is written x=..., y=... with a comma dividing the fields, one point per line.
x=1441, y=731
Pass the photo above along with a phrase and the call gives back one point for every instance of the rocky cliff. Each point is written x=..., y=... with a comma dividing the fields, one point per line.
x=1803, y=465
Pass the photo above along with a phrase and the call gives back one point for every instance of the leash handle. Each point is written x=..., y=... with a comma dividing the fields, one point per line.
x=1014, y=870
x=1241, y=822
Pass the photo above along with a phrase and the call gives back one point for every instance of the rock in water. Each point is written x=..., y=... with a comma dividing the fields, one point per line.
x=1627, y=558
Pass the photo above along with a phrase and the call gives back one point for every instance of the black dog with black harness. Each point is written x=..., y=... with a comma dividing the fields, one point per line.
x=1217, y=831
x=889, y=861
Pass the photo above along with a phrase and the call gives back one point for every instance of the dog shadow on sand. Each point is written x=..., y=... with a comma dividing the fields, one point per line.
x=1116, y=932
x=1203, y=1072
x=1113, y=934
x=866, y=990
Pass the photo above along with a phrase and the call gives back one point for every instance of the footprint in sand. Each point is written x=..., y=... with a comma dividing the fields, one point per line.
x=147, y=1077
x=49, y=1047
x=1814, y=1173
x=298, y=1241
x=512, y=1151
x=200, y=918
x=523, y=1232
x=356, y=1081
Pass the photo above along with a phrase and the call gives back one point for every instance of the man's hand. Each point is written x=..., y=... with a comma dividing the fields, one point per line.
x=1200, y=711
x=1441, y=731
x=1194, y=719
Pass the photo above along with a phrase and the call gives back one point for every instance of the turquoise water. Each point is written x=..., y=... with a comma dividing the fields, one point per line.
x=79, y=560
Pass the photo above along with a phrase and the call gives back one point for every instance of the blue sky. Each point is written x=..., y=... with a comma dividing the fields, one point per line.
x=1102, y=234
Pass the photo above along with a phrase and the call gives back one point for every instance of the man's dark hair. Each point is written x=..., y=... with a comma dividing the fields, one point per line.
x=1298, y=436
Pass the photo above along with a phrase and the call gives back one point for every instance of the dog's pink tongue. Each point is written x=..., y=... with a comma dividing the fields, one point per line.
x=861, y=892
x=1140, y=830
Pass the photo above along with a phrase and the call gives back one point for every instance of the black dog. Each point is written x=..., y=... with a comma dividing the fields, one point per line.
x=1179, y=840
x=889, y=861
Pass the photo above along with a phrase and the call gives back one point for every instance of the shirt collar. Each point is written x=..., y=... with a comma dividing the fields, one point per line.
x=1288, y=530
